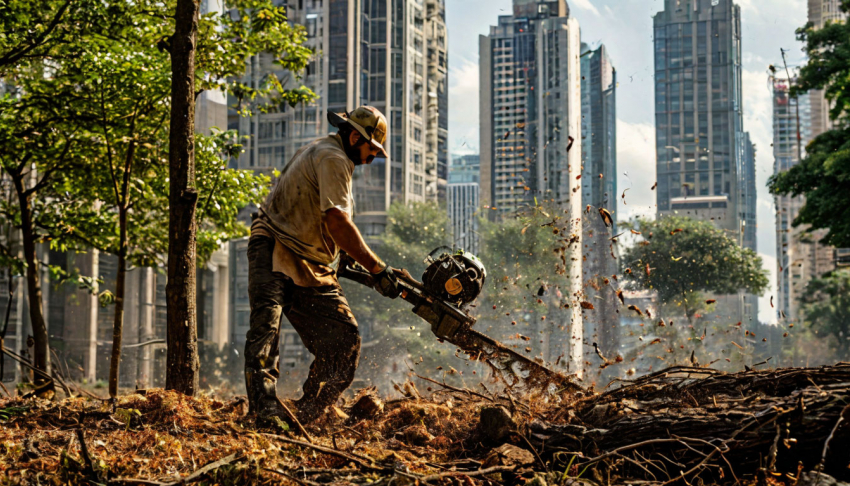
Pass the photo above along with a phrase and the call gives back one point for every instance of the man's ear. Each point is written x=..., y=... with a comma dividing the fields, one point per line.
x=353, y=137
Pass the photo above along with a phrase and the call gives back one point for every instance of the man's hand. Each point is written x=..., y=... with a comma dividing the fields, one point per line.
x=386, y=283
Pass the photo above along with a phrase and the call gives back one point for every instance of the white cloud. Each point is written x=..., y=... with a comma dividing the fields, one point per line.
x=585, y=5
x=635, y=169
x=463, y=108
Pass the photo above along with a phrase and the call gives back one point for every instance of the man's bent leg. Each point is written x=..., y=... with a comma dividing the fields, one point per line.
x=262, y=345
x=323, y=319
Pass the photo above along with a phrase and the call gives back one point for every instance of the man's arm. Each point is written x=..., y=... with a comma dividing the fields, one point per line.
x=346, y=235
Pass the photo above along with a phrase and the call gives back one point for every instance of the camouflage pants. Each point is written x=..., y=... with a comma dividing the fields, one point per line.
x=322, y=318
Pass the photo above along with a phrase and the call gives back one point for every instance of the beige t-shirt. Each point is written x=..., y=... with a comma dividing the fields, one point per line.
x=317, y=179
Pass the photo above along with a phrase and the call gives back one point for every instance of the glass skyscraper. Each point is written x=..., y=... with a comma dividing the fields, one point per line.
x=705, y=161
x=599, y=190
x=698, y=118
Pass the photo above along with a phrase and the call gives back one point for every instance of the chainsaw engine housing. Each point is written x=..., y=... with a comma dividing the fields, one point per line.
x=454, y=276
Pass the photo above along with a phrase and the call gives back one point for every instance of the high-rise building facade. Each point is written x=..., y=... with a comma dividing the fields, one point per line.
x=391, y=54
x=465, y=169
x=799, y=255
x=749, y=200
x=530, y=106
x=698, y=118
x=463, y=208
x=748, y=194
x=530, y=134
x=703, y=158
x=820, y=13
x=599, y=190
x=462, y=202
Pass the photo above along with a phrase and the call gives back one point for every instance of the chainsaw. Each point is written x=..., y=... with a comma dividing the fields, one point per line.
x=453, y=280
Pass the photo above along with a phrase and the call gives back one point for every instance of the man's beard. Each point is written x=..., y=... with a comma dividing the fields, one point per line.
x=354, y=154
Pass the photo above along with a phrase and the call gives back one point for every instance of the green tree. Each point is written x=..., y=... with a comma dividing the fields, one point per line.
x=32, y=28
x=682, y=258
x=61, y=145
x=221, y=46
x=824, y=174
x=826, y=306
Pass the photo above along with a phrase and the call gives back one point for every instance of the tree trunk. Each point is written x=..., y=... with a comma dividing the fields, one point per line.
x=182, y=360
x=118, y=319
x=39, y=325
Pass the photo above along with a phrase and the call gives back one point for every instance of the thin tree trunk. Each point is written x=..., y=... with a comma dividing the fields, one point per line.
x=182, y=359
x=121, y=277
x=39, y=325
x=118, y=319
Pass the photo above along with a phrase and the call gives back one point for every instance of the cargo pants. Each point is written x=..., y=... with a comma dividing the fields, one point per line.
x=322, y=318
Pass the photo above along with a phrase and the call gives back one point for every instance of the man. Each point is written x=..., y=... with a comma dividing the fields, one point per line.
x=296, y=237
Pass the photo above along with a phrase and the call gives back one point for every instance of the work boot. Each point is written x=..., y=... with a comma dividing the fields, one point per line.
x=269, y=409
x=262, y=397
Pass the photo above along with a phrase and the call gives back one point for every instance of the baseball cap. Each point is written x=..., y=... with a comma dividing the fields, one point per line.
x=368, y=121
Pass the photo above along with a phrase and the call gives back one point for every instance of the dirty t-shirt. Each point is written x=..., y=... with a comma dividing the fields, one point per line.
x=317, y=179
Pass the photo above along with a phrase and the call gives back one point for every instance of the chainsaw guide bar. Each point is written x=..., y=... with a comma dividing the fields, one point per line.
x=454, y=325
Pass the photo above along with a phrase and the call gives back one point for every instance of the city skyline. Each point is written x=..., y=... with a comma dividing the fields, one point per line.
x=625, y=27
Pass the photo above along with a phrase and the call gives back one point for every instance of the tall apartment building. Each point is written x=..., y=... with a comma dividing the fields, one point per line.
x=530, y=106
x=749, y=199
x=462, y=202
x=391, y=54
x=701, y=149
x=749, y=195
x=820, y=12
x=800, y=257
x=599, y=190
x=463, y=208
x=698, y=118
x=465, y=168
x=530, y=123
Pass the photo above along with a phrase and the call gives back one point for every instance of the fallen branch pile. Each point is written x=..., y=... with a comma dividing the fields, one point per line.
x=680, y=425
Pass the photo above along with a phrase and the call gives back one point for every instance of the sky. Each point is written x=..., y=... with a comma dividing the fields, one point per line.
x=625, y=27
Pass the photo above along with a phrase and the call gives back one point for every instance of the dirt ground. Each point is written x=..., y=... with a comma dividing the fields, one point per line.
x=681, y=425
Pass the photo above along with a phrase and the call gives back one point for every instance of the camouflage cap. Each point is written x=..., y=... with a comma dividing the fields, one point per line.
x=368, y=121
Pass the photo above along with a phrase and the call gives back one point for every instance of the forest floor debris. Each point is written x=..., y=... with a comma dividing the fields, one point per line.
x=677, y=426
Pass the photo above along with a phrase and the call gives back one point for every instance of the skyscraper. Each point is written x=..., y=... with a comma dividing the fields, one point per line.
x=391, y=54
x=530, y=122
x=463, y=207
x=701, y=148
x=698, y=119
x=821, y=12
x=465, y=168
x=530, y=104
x=749, y=198
x=599, y=190
x=462, y=201
x=799, y=255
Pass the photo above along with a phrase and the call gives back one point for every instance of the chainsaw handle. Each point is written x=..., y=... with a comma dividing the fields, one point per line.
x=349, y=269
